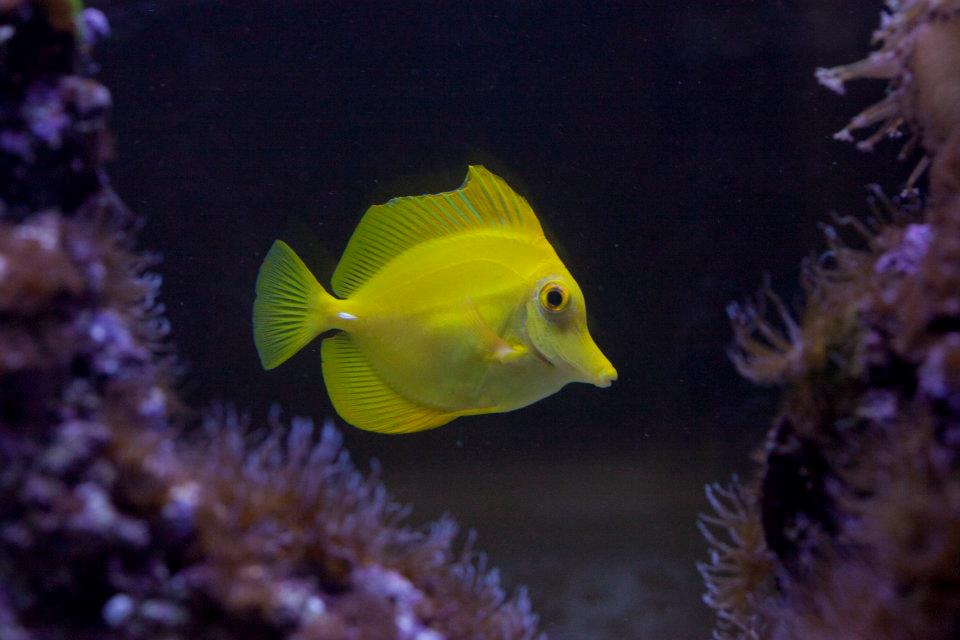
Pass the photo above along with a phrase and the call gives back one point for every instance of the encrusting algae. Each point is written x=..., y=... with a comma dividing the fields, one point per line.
x=121, y=519
x=851, y=527
x=450, y=305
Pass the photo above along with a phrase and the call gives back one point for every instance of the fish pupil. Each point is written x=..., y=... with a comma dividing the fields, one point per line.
x=554, y=298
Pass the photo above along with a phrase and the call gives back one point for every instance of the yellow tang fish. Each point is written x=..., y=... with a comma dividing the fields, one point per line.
x=450, y=304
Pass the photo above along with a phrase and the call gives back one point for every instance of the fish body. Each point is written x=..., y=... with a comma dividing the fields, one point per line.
x=432, y=337
x=449, y=305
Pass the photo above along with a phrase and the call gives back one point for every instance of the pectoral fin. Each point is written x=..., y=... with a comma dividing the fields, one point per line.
x=495, y=347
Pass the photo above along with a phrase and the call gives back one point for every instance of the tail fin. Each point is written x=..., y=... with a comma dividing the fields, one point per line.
x=291, y=308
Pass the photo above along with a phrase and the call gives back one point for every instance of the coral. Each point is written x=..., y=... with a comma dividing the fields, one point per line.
x=858, y=491
x=739, y=574
x=919, y=51
x=119, y=517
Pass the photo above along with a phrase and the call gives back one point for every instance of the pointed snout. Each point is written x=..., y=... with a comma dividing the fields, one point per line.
x=594, y=367
x=605, y=376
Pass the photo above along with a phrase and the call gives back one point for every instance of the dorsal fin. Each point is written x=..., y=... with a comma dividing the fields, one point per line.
x=387, y=230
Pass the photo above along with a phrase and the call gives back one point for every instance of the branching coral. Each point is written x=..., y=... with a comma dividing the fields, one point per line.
x=116, y=519
x=919, y=51
x=857, y=493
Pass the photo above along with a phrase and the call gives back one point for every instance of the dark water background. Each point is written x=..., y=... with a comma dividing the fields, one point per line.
x=674, y=151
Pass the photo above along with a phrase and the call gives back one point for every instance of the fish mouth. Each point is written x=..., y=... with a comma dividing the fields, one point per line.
x=605, y=377
x=602, y=376
x=593, y=367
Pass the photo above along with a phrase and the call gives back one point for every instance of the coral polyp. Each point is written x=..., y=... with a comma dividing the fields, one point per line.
x=919, y=47
x=739, y=574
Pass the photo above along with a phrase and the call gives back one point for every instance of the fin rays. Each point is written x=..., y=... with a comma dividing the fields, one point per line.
x=286, y=313
x=364, y=400
x=388, y=230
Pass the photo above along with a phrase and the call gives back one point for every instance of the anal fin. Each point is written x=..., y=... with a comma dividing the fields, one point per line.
x=363, y=399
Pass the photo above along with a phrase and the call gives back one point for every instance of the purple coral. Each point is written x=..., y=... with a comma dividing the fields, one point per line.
x=858, y=494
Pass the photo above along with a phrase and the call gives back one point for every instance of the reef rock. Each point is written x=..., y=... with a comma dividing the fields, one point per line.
x=851, y=526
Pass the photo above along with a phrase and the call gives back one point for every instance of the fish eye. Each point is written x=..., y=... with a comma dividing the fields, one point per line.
x=553, y=297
